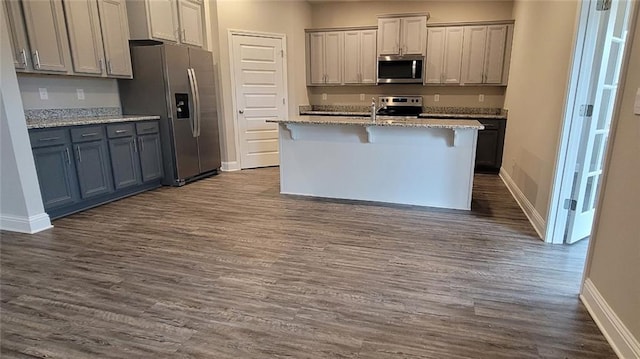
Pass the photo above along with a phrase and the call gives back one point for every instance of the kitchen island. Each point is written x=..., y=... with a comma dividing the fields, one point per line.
x=425, y=162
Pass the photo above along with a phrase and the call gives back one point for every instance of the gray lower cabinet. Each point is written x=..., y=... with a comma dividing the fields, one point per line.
x=150, y=157
x=136, y=155
x=81, y=167
x=125, y=162
x=92, y=161
x=92, y=164
x=490, y=145
x=57, y=173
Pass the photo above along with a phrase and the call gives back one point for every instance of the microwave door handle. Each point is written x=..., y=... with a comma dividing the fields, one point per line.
x=413, y=69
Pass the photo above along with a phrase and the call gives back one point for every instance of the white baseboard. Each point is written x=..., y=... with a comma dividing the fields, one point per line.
x=617, y=334
x=31, y=225
x=230, y=166
x=529, y=210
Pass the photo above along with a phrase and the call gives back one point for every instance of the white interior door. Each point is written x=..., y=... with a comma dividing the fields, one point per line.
x=260, y=95
x=611, y=36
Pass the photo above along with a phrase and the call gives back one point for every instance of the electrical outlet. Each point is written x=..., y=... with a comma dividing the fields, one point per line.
x=44, y=95
x=80, y=93
x=324, y=97
x=481, y=97
x=361, y=97
x=436, y=97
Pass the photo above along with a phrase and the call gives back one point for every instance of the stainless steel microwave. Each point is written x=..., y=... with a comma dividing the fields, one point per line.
x=400, y=69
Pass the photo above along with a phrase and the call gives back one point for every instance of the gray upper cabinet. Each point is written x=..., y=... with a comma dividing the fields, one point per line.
x=178, y=21
x=85, y=37
x=47, y=35
x=74, y=37
x=402, y=35
x=190, y=14
x=163, y=19
x=115, y=33
x=485, y=55
x=17, y=35
x=99, y=37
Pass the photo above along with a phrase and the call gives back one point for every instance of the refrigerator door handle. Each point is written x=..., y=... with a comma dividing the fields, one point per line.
x=197, y=98
x=194, y=115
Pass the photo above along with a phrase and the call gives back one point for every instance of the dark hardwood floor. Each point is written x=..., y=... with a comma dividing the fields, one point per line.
x=228, y=268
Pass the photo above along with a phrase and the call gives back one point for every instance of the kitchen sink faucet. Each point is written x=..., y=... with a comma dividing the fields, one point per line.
x=375, y=109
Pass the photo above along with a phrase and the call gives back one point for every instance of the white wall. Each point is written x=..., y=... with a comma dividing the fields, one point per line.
x=273, y=16
x=62, y=92
x=21, y=206
x=364, y=13
x=540, y=63
x=613, y=266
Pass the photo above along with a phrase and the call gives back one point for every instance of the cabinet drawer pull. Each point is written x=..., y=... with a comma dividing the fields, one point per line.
x=89, y=134
x=121, y=131
x=37, y=55
x=49, y=139
x=24, y=57
x=66, y=152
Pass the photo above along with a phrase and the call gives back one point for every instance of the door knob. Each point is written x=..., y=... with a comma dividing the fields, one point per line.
x=241, y=111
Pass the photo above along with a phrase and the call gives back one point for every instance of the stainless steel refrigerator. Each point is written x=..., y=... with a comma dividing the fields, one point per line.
x=177, y=83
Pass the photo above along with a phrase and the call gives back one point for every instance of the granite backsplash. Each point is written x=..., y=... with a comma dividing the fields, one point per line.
x=66, y=113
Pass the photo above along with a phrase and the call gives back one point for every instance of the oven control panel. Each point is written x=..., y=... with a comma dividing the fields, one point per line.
x=405, y=101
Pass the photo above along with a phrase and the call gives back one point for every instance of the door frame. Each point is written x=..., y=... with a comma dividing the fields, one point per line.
x=569, y=140
x=230, y=34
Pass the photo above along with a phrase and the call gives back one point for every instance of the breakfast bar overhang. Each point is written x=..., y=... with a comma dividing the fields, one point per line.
x=424, y=162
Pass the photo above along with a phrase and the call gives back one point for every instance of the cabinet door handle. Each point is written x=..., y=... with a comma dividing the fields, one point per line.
x=37, y=56
x=184, y=35
x=66, y=152
x=141, y=144
x=109, y=67
x=49, y=139
x=79, y=154
x=23, y=53
x=134, y=145
x=101, y=64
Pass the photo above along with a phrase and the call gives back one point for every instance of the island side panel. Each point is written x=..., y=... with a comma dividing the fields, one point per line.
x=405, y=165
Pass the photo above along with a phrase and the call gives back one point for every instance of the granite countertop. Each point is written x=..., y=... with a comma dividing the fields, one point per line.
x=335, y=113
x=33, y=123
x=387, y=121
x=461, y=116
x=429, y=112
